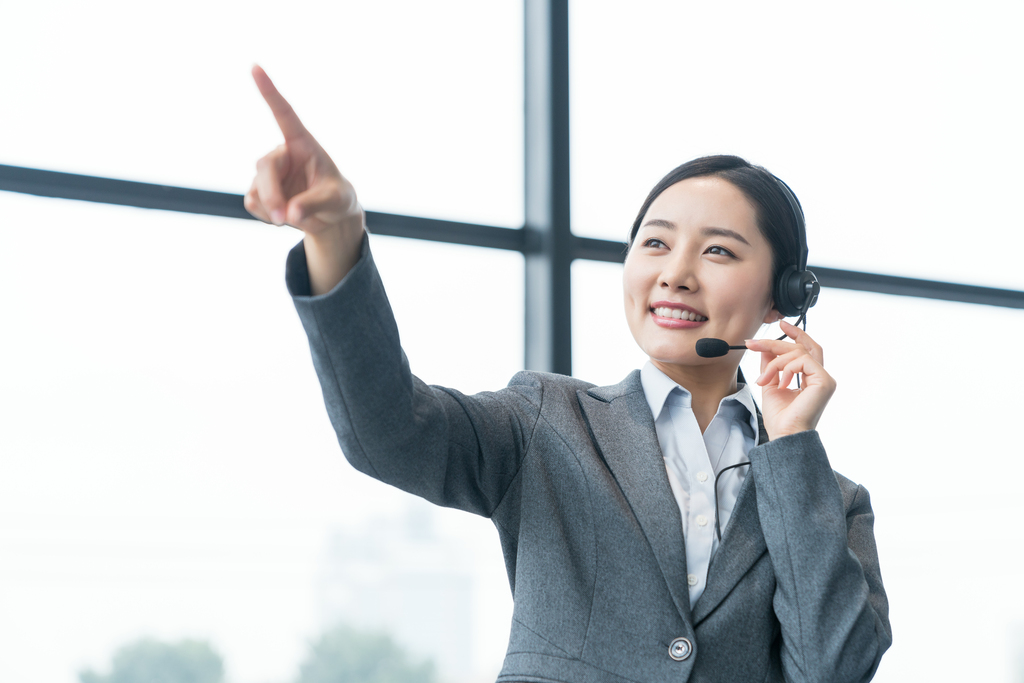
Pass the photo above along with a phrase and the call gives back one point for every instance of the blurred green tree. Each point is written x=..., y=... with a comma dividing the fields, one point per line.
x=346, y=655
x=151, y=661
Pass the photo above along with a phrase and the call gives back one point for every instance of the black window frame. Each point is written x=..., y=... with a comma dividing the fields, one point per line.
x=546, y=240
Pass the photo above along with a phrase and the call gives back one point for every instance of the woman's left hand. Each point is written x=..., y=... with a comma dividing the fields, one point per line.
x=789, y=411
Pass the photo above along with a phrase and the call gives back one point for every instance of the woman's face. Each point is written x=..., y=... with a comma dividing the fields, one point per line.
x=699, y=267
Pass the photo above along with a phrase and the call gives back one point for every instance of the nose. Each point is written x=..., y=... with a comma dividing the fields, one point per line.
x=679, y=273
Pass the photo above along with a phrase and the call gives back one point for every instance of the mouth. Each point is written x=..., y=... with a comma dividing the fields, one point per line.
x=676, y=316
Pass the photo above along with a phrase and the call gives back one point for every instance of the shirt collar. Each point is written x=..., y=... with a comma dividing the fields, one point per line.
x=658, y=386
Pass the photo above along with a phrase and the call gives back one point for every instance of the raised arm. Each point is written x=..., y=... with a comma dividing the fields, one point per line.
x=451, y=449
x=299, y=185
x=454, y=450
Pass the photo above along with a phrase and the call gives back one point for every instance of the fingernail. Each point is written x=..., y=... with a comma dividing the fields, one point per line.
x=278, y=216
x=761, y=378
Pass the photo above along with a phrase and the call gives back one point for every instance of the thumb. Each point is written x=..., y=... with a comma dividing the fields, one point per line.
x=321, y=197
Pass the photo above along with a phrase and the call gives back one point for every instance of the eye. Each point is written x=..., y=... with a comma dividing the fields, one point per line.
x=720, y=251
x=653, y=242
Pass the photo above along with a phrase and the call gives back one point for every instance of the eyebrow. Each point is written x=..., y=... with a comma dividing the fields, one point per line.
x=710, y=231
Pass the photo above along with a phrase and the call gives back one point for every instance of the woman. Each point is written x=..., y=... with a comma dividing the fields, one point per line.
x=594, y=489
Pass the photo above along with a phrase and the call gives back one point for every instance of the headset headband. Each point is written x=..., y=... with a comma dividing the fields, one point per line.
x=798, y=218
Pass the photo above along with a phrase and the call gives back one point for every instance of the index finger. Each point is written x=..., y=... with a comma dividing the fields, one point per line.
x=287, y=120
x=776, y=347
x=801, y=337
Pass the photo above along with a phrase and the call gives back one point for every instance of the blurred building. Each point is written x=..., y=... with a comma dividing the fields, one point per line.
x=398, y=575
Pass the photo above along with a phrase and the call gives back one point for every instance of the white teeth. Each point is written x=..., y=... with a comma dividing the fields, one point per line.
x=678, y=314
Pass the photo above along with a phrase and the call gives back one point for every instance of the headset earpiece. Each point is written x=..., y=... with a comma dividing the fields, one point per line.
x=795, y=291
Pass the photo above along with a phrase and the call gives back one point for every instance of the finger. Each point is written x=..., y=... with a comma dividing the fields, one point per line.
x=322, y=197
x=775, y=346
x=779, y=364
x=782, y=361
x=812, y=371
x=779, y=347
x=287, y=120
x=768, y=378
x=786, y=378
x=253, y=205
x=269, y=171
x=790, y=369
x=801, y=337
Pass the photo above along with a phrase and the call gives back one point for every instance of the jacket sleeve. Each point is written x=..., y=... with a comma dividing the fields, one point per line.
x=451, y=449
x=829, y=599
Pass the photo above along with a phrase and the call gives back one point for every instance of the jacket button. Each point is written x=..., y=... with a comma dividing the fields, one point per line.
x=680, y=649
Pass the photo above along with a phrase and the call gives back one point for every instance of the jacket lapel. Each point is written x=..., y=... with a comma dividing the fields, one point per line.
x=623, y=431
x=622, y=427
x=742, y=541
x=742, y=544
x=762, y=434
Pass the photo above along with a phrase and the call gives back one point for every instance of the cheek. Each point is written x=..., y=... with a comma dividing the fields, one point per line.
x=634, y=288
x=635, y=295
x=750, y=295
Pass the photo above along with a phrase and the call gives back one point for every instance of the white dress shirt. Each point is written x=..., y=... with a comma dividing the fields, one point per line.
x=693, y=460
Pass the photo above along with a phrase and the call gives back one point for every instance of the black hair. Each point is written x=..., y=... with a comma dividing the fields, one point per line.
x=774, y=213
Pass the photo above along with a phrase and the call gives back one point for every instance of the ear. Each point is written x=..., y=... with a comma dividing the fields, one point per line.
x=772, y=316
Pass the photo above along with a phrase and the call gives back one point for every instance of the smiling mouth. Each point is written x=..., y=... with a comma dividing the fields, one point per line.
x=678, y=314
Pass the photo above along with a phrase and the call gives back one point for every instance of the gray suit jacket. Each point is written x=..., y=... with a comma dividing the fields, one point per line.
x=573, y=478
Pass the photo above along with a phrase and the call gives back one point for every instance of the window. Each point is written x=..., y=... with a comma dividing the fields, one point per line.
x=167, y=469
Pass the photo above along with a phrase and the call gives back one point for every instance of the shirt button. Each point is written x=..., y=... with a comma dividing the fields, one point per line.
x=702, y=476
x=702, y=520
x=680, y=649
x=692, y=579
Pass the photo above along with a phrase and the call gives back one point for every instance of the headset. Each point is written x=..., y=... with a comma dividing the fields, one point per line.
x=796, y=288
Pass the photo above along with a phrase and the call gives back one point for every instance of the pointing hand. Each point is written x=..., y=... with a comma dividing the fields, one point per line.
x=297, y=183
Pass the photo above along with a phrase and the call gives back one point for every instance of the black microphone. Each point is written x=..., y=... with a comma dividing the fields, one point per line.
x=713, y=348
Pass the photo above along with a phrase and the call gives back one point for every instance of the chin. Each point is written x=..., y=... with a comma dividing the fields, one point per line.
x=677, y=356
